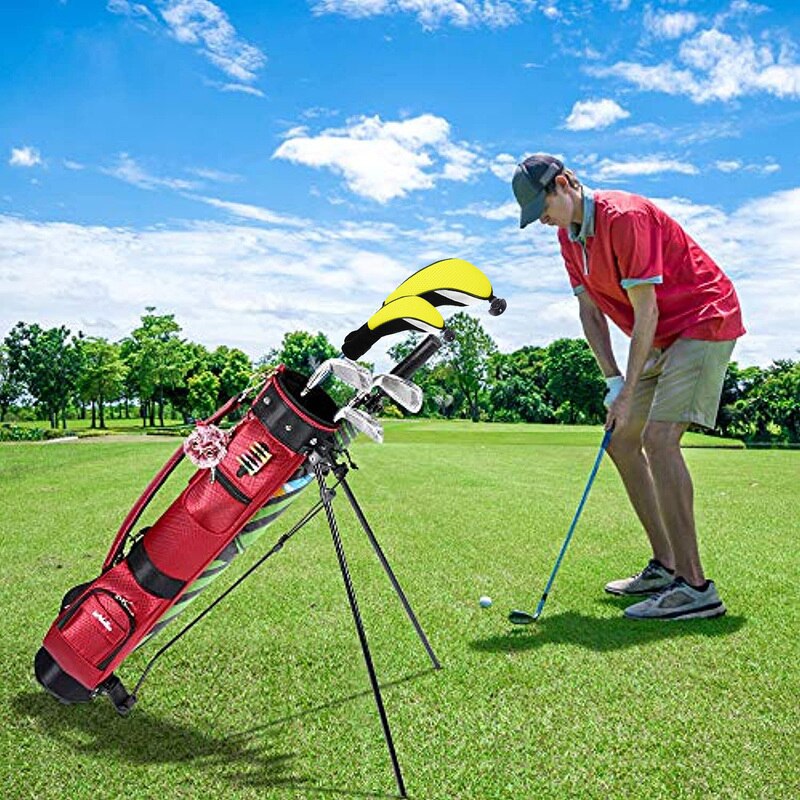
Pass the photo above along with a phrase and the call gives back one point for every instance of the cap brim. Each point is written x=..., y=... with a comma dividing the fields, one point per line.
x=530, y=212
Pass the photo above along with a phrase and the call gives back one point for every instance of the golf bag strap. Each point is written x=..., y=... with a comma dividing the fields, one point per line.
x=158, y=481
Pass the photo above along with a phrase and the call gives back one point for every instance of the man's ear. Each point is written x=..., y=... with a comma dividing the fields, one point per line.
x=562, y=182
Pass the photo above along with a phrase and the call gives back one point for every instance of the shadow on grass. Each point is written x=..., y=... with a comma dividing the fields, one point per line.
x=143, y=738
x=602, y=634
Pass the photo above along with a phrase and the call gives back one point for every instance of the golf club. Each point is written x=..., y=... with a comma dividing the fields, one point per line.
x=362, y=422
x=345, y=370
x=401, y=391
x=517, y=617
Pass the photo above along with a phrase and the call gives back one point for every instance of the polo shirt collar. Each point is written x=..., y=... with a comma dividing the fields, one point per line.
x=587, y=226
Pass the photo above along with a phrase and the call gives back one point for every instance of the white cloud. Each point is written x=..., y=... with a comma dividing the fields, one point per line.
x=503, y=165
x=608, y=169
x=384, y=160
x=73, y=165
x=247, y=285
x=124, y=8
x=129, y=171
x=433, y=13
x=664, y=25
x=202, y=23
x=716, y=66
x=247, y=211
x=241, y=88
x=24, y=157
x=766, y=167
x=594, y=114
x=215, y=175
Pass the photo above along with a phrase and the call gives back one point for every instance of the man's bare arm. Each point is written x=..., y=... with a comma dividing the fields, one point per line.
x=595, y=329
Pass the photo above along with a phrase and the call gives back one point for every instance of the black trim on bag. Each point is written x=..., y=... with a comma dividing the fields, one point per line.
x=231, y=488
x=282, y=420
x=149, y=576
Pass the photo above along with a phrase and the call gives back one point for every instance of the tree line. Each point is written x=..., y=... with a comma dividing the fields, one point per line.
x=154, y=372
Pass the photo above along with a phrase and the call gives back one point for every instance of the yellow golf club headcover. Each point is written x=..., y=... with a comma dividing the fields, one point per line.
x=451, y=281
x=403, y=314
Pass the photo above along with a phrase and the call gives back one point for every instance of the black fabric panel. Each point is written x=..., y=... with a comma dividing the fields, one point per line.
x=285, y=424
x=149, y=576
x=58, y=683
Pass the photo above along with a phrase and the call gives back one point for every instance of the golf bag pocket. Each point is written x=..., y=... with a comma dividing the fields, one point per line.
x=208, y=500
x=98, y=626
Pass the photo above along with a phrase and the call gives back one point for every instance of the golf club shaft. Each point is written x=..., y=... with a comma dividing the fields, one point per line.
x=603, y=447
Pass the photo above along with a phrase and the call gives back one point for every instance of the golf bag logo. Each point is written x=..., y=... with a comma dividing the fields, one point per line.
x=253, y=459
x=102, y=620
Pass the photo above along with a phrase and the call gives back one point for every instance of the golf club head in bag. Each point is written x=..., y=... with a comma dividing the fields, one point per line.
x=399, y=390
x=450, y=282
x=362, y=422
x=360, y=378
x=403, y=314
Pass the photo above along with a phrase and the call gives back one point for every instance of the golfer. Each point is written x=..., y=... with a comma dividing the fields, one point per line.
x=631, y=263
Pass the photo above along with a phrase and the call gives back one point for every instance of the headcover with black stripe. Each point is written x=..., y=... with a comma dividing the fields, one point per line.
x=449, y=282
x=402, y=314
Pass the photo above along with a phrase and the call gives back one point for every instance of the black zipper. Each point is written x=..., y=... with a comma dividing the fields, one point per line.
x=121, y=602
x=231, y=488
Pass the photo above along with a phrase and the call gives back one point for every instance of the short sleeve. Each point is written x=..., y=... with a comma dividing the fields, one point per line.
x=636, y=239
x=574, y=268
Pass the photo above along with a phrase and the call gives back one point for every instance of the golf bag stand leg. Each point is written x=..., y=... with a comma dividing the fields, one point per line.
x=326, y=494
x=389, y=572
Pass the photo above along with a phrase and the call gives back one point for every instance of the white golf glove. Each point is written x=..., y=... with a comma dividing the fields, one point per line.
x=615, y=384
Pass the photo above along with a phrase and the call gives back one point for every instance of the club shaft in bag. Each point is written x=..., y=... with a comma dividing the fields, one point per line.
x=521, y=617
x=389, y=572
x=326, y=495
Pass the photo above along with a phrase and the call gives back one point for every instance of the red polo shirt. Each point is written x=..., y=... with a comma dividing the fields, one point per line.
x=634, y=241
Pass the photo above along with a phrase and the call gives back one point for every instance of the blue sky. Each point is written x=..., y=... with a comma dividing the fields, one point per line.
x=259, y=167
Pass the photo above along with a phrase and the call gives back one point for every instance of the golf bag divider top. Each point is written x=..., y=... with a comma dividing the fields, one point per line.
x=103, y=621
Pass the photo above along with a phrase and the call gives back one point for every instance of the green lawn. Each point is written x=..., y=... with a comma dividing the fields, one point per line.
x=269, y=698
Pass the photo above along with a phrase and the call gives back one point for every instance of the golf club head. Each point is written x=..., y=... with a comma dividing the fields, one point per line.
x=345, y=370
x=360, y=378
x=517, y=617
x=362, y=422
x=403, y=392
x=402, y=314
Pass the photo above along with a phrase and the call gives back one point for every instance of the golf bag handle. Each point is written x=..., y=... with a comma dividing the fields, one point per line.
x=158, y=481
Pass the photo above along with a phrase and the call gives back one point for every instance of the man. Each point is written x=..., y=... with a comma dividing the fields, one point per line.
x=631, y=263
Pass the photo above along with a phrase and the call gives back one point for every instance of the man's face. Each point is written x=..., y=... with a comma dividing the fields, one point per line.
x=558, y=208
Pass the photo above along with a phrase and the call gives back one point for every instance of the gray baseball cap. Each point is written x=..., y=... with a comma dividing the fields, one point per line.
x=529, y=182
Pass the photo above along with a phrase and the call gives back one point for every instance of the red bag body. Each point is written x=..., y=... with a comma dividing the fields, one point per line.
x=107, y=618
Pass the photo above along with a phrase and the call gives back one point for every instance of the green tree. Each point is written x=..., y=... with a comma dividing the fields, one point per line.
x=48, y=362
x=12, y=386
x=234, y=370
x=467, y=355
x=574, y=382
x=203, y=394
x=302, y=352
x=158, y=357
x=102, y=375
x=519, y=386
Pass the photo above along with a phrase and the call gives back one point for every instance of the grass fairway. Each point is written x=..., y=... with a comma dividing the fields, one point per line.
x=269, y=697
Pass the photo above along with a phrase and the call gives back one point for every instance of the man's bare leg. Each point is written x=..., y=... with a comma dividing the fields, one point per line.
x=675, y=495
x=628, y=455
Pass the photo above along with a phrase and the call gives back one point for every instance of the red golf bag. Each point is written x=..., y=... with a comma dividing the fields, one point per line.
x=101, y=622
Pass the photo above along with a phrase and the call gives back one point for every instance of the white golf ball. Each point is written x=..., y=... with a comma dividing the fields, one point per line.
x=485, y=601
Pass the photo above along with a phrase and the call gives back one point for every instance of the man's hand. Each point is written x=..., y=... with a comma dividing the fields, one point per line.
x=620, y=410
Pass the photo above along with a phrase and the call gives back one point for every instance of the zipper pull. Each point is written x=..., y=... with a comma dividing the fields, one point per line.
x=213, y=473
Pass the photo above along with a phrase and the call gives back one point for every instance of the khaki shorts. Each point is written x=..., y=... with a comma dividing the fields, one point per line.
x=683, y=383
